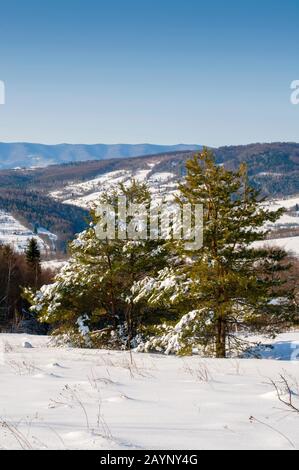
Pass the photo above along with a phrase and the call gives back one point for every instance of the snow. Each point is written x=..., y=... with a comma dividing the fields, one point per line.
x=54, y=398
x=54, y=265
x=290, y=244
x=287, y=202
x=27, y=345
x=47, y=233
x=95, y=183
x=142, y=175
x=87, y=193
x=286, y=220
x=284, y=348
x=163, y=177
x=13, y=233
x=84, y=194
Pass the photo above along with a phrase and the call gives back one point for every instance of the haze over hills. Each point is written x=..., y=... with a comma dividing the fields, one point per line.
x=28, y=155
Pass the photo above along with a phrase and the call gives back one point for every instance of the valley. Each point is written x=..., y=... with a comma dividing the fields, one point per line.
x=13, y=233
x=58, y=197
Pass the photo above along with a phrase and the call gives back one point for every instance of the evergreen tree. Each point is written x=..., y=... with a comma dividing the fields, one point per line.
x=94, y=287
x=230, y=284
x=33, y=259
x=113, y=288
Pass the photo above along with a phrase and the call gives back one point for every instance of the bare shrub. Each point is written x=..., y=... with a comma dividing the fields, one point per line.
x=7, y=347
x=286, y=389
x=23, y=367
x=252, y=419
x=13, y=430
x=72, y=398
x=201, y=373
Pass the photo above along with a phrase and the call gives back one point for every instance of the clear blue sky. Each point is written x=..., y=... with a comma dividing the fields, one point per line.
x=161, y=71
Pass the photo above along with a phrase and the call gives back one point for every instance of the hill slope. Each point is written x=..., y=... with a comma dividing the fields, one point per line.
x=38, y=197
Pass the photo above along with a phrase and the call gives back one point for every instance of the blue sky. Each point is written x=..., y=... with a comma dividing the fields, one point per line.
x=171, y=71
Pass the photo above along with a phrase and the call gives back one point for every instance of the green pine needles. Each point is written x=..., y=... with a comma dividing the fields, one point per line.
x=156, y=295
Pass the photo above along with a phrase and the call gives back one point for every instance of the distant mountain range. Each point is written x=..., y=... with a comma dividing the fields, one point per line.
x=28, y=155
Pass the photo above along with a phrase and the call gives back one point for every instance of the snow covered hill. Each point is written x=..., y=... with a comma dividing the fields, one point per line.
x=13, y=233
x=86, y=194
x=96, y=399
x=288, y=222
x=164, y=184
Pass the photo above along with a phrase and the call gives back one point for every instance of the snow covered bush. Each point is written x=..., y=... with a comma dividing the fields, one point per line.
x=185, y=338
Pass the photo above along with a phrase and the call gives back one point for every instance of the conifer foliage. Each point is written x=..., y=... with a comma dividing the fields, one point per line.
x=160, y=296
x=91, y=299
x=33, y=258
x=229, y=285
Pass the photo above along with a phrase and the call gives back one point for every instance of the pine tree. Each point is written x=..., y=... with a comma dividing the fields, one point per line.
x=95, y=285
x=230, y=284
x=33, y=259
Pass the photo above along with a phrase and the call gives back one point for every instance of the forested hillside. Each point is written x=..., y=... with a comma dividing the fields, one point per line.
x=274, y=167
x=34, y=208
x=28, y=194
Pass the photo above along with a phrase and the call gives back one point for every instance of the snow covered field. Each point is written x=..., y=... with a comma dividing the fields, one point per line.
x=87, y=193
x=54, y=398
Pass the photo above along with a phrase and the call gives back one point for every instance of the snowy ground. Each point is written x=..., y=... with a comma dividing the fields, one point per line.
x=289, y=244
x=288, y=222
x=89, y=399
x=54, y=265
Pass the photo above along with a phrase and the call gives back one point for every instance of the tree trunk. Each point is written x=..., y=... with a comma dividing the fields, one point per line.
x=221, y=338
x=129, y=329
